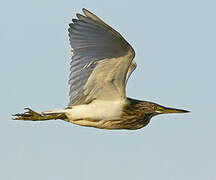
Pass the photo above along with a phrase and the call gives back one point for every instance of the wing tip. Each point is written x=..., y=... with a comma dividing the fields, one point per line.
x=79, y=16
x=86, y=12
x=84, y=9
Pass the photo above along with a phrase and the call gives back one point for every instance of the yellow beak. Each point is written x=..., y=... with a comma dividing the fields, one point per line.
x=166, y=110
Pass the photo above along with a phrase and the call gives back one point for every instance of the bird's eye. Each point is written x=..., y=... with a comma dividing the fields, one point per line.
x=154, y=107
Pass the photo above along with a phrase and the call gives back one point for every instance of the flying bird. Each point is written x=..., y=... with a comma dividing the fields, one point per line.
x=102, y=62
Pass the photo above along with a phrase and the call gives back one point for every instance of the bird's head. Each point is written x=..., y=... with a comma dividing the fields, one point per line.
x=152, y=108
x=155, y=109
x=144, y=111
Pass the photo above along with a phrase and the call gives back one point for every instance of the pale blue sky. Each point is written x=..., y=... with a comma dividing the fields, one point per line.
x=175, y=45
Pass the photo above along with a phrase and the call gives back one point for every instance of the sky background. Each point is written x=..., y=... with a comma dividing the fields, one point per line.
x=175, y=45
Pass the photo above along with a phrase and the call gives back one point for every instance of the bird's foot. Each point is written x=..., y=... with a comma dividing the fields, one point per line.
x=29, y=115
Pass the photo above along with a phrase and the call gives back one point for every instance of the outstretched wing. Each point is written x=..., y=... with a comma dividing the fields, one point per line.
x=100, y=60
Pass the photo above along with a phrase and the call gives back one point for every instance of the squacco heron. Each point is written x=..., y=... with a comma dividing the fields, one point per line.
x=102, y=62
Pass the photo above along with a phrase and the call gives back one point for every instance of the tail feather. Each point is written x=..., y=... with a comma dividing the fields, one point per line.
x=31, y=115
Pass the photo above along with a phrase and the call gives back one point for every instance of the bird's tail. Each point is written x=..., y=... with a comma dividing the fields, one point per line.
x=31, y=115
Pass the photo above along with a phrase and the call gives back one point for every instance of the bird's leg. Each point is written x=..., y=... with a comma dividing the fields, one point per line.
x=31, y=115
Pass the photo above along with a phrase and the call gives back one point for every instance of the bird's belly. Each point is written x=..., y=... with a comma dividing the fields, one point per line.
x=97, y=110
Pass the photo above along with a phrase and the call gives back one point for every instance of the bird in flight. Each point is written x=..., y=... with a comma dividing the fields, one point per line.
x=102, y=62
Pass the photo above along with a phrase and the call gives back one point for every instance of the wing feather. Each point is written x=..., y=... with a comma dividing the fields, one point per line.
x=101, y=58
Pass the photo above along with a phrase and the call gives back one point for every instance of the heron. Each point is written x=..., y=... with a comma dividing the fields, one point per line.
x=102, y=62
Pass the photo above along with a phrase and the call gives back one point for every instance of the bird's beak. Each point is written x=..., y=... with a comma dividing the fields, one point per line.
x=166, y=110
